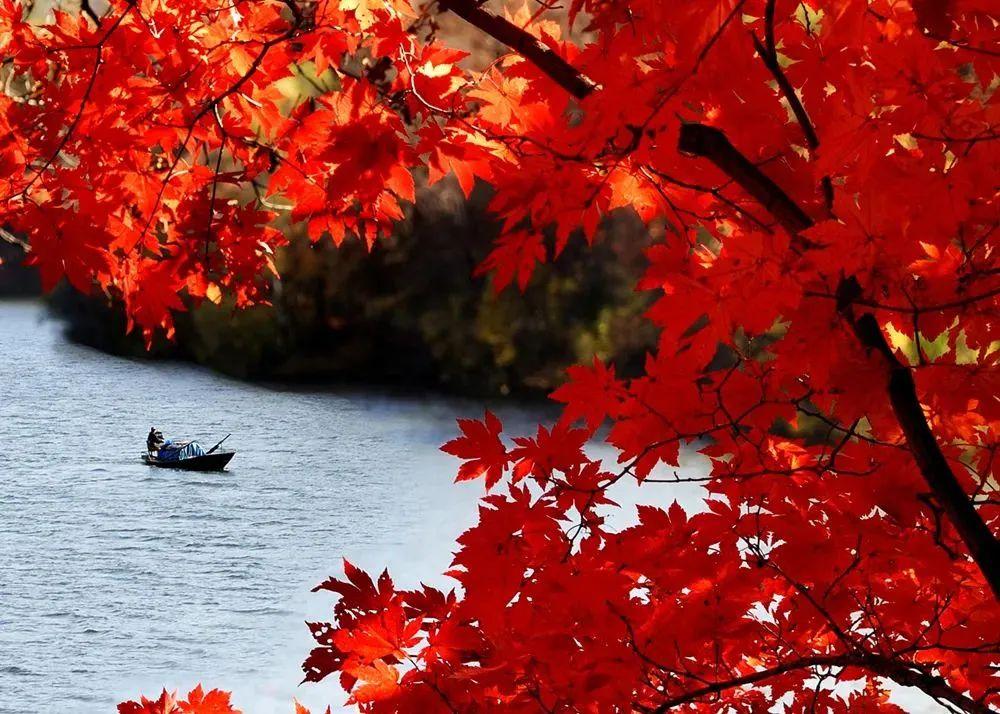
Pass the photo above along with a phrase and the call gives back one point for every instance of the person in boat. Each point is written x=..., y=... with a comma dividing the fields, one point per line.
x=167, y=450
x=155, y=440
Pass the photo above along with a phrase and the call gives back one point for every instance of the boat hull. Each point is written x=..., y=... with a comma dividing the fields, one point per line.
x=208, y=462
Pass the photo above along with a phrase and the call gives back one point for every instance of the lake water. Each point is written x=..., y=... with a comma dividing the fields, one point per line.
x=116, y=578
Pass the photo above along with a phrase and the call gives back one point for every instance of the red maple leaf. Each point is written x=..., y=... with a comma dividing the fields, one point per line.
x=482, y=449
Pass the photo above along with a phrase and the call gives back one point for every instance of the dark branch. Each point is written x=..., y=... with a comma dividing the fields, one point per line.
x=769, y=54
x=710, y=143
x=770, y=57
x=716, y=688
x=88, y=9
x=982, y=544
x=525, y=44
x=893, y=669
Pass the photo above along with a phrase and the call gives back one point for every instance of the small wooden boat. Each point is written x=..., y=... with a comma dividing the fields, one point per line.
x=209, y=462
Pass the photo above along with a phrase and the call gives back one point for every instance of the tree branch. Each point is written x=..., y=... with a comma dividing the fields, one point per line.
x=769, y=54
x=880, y=666
x=710, y=143
x=929, y=684
x=87, y=7
x=716, y=688
x=948, y=492
x=525, y=44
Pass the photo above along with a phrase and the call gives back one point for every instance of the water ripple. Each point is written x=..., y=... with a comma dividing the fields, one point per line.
x=117, y=578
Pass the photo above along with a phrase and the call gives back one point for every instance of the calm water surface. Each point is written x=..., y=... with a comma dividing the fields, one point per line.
x=116, y=578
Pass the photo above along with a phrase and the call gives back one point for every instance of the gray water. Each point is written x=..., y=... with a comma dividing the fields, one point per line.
x=116, y=578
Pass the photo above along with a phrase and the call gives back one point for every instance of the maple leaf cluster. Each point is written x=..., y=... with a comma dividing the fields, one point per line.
x=197, y=702
x=149, y=155
x=824, y=174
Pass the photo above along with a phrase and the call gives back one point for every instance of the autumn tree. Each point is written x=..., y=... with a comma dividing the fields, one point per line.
x=826, y=175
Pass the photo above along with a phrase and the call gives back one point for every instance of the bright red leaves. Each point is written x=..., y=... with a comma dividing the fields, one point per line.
x=480, y=444
x=198, y=702
x=838, y=172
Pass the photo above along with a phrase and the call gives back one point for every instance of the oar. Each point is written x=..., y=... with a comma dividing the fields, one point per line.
x=217, y=445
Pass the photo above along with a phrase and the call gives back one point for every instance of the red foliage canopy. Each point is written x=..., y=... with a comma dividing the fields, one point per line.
x=826, y=175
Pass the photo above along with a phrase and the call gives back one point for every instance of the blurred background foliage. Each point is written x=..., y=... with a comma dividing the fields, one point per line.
x=410, y=312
